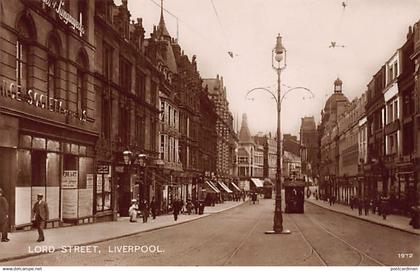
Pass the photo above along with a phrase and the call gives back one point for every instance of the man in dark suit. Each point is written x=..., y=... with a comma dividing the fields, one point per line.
x=4, y=216
x=40, y=215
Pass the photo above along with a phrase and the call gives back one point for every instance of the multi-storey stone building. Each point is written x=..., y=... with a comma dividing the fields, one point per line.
x=90, y=112
x=270, y=155
x=348, y=144
x=309, y=144
x=227, y=139
x=48, y=110
x=126, y=82
x=328, y=133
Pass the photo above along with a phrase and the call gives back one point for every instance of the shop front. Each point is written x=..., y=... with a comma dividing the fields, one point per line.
x=37, y=158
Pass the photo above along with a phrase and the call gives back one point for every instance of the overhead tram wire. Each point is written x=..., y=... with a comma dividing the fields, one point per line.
x=229, y=51
x=183, y=22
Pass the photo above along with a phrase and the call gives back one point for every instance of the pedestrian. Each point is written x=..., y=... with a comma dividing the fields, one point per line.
x=40, y=216
x=153, y=207
x=415, y=217
x=189, y=207
x=177, y=205
x=366, y=206
x=145, y=211
x=195, y=204
x=373, y=206
x=359, y=203
x=384, y=206
x=254, y=197
x=132, y=211
x=316, y=194
x=351, y=202
x=4, y=216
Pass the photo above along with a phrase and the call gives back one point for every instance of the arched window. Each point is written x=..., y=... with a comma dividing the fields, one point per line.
x=82, y=68
x=53, y=71
x=22, y=52
x=25, y=27
x=21, y=63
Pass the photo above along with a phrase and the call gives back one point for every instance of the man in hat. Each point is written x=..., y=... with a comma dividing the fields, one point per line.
x=40, y=215
x=4, y=216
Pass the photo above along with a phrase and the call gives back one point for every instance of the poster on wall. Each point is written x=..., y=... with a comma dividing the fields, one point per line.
x=89, y=181
x=99, y=184
x=107, y=183
x=70, y=194
x=70, y=198
x=69, y=180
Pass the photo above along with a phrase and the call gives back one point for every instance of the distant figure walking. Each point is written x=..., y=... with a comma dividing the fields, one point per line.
x=153, y=207
x=177, y=208
x=4, y=216
x=359, y=204
x=145, y=210
x=366, y=206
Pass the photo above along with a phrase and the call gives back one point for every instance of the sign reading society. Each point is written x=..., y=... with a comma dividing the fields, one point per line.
x=15, y=92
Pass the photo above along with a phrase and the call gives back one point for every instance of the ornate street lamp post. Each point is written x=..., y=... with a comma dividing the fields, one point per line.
x=278, y=54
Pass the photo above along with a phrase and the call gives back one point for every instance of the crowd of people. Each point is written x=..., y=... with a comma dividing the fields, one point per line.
x=380, y=206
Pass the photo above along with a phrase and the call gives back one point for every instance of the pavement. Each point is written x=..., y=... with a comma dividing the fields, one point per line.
x=236, y=237
x=23, y=244
x=393, y=221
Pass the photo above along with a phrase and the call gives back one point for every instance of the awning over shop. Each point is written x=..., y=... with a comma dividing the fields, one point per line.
x=214, y=188
x=235, y=186
x=222, y=184
x=257, y=182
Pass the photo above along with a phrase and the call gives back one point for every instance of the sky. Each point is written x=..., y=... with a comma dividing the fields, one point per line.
x=370, y=30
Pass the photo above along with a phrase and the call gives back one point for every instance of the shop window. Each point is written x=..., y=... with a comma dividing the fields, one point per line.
x=25, y=141
x=83, y=150
x=74, y=149
x=38, y=143
x=67, y=147
x=38, y=167
x=24, y=169
x=85, y=187
x=103, y=191
x=53, y=145
x=53, y=184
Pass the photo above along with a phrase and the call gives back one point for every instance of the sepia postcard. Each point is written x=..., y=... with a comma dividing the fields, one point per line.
x=210, y=133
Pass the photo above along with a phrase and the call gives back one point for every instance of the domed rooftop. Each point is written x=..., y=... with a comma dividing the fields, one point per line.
x=336, y=97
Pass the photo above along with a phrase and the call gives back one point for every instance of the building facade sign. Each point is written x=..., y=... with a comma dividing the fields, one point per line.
x=31, y=97
x=58, y=7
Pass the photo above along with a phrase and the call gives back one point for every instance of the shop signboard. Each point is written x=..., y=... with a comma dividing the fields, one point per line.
x=102, y=169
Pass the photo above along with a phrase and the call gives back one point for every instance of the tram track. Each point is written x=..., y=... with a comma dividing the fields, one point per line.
x=362, y=255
